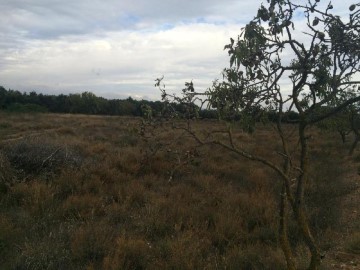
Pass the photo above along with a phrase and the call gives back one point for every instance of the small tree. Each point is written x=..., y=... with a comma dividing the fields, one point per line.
x=274, y=67
x=339, y=123
x=348, y=122
x=345, y=122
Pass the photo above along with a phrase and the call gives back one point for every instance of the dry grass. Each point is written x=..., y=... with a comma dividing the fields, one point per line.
x=88, y=192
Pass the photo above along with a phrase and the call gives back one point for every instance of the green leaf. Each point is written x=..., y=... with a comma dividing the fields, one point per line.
x=321, y=35
x=232, y=59
x=315, y=22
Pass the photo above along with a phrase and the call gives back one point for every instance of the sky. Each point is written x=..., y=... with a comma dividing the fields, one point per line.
x=117, y=48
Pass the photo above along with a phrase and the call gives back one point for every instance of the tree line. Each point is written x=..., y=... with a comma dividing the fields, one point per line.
x=82, y=103
x=89, y=103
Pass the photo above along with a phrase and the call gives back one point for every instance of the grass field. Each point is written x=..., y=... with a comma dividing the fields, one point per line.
x=88, y=192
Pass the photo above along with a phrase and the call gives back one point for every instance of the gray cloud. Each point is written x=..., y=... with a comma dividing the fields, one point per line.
x=41, y=19
x=116, y=47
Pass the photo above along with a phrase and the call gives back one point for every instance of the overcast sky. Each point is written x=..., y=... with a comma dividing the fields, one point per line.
x=117, y=48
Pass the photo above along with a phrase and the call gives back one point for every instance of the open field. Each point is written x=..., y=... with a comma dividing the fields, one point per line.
x=88, y=192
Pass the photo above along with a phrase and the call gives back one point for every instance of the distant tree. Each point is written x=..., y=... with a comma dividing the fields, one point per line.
x=354, y=119
x=61, y=104
x=47, y=101
x=14, y=96
x=77, y=104
x=340, y=123
x=32, y=98
x=3, y=94
x=127, y=107
x=347, y=121
x=26, y=108
x=277, y=66
x=208, y=114
x=89, y=103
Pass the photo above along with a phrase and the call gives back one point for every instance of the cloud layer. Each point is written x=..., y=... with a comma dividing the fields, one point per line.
x=116, y=48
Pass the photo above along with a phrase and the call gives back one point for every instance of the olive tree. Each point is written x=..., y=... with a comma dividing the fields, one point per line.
x=293, y=56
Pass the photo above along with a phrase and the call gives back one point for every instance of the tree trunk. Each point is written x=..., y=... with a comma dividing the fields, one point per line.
x=343, y=135
x=309, y=240
x=353, y=146
x=283, y=236
x=299, y=206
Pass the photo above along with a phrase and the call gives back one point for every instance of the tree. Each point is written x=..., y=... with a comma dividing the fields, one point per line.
x=339, y=123
x=345, y=122
x=276, y=67
x=3, y=94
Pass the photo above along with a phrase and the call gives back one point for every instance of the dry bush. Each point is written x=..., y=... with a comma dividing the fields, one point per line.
x=35, y=155
x=108, y=203
x=82, y=207
x=353, y=245
x=46, y=253
x=66, y=131
x=39, y=200
x=255, y=257
x=117, y=215
x=327, y=188
x=129, y=254
x=7, y=174
x=128, y=139
x=66, y=184
x=9, y=235
x=91, y=243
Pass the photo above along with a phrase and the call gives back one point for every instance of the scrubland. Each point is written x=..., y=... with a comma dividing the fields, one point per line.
x=89, y=192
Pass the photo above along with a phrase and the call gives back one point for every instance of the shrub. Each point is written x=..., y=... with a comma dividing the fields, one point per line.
x=129, y=254
x=90, y=243
x=47, y=252
x=8, y=236
x=6, y=174
x=35, y=155
x=254, y=258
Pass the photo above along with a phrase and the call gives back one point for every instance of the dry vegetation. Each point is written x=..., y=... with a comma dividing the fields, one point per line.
x=88, y=192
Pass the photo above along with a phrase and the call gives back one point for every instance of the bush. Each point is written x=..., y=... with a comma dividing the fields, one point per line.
x=8, y=235
x=255, y=257
x=35, y=155
x=325, y=192
x=130, y=254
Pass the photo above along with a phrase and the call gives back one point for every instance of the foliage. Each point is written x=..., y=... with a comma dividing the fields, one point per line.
x=84, y=103
x=340, y=122
x=26, y=108
x=345, y=122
